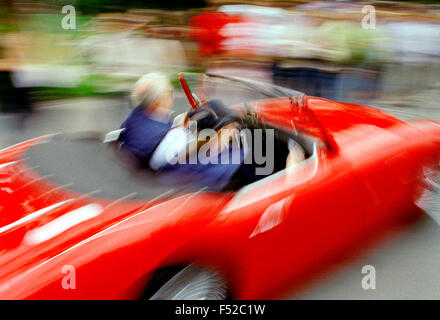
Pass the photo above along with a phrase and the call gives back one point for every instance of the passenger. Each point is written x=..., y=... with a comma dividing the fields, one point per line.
x=149, y=121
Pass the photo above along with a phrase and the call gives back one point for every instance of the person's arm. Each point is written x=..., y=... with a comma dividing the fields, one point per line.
x=223, y=138
x=179, y=120
x=170, y=148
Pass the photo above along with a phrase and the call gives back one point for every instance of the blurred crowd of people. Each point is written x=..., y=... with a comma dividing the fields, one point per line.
x=348, y=51
x=322, y=48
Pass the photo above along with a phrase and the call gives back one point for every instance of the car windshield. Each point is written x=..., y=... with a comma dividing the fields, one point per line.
x=233, y=90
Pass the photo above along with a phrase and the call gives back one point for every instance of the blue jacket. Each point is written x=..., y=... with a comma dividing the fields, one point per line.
x=142, y=133
x=215, y=176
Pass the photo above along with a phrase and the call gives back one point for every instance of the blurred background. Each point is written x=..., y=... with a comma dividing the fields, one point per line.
x=71, y=70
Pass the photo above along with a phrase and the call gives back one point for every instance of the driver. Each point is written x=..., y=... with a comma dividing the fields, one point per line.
x=149, y=121
x=149, y=136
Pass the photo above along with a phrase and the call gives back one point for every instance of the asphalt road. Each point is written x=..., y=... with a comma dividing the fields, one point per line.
x=407, y=263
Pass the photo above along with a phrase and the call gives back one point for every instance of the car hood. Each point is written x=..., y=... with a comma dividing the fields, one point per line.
x=39, y=220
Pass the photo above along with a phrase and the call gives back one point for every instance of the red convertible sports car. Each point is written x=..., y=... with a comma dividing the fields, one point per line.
x=78, y=222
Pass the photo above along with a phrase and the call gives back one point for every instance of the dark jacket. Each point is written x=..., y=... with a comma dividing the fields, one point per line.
x=142, y=133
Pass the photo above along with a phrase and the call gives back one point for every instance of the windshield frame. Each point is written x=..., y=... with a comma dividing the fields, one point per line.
x=278, y=91
x=268, y=90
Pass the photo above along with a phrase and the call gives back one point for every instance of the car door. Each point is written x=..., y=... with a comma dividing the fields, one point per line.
x=295, y=221
x=386, y=162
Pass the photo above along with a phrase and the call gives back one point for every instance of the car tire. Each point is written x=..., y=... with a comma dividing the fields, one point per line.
x=188, y=283
x=429, y=200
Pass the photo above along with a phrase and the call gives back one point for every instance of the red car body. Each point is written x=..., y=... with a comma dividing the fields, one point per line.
x=365, y=176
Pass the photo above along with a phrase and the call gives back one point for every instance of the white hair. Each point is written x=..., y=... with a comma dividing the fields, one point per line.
x=149, y=89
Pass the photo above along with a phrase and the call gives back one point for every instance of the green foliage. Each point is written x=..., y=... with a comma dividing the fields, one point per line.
x=51, y=23
x=90, y=86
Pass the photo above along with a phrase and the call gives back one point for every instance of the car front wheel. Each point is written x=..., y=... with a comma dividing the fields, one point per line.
x=192, y=283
